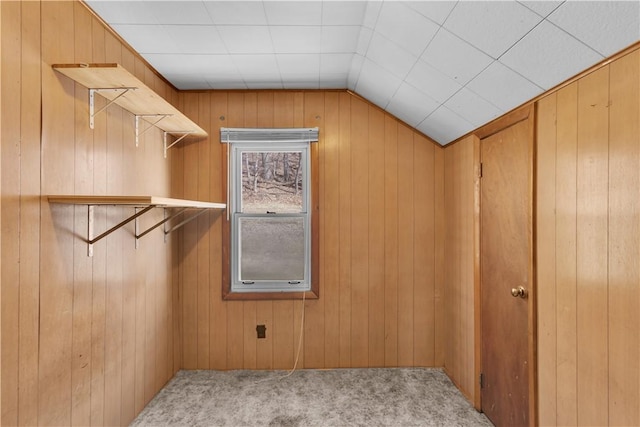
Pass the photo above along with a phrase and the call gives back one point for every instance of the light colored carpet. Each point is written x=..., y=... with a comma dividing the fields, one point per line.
x=342, y=397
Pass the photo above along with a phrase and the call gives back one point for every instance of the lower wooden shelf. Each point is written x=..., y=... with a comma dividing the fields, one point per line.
x=144, y=203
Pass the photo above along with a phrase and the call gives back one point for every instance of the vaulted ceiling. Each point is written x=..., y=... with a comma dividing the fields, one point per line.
x=443, y=67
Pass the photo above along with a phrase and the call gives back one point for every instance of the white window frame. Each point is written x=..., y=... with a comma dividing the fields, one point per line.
x=235, y=189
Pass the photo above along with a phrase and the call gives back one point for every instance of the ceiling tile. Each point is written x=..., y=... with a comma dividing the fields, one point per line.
x=548, y=56
x=296, y=64
x=605, y=26
x=337, y=39
x=542, y=7
x=432, y=82
x=454, y=57
x=411, y=105
x=371, y=14
x=343, y=12
x=198, y=64
x=354, y=71
x=226, y=85
x=491, y=26
x=363, y=41
x=333, y=80
x=376, y=84
x=296, y=39
x=293, y=12
x=257, y=66
x=187, y=81
x=472, y=107
x=124, y=12
x=237, y=12
x=390, y=56
x=437, y=11
x=264, y=84
x=331, y=63
x=301, y=82
x=196, y=38
x=444, y=126
x=405, y=27
x=147, y=38
x=246, y=39
x=180, y=12
x=503, y=87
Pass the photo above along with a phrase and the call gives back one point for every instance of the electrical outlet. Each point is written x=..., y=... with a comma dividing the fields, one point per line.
x=262, y=331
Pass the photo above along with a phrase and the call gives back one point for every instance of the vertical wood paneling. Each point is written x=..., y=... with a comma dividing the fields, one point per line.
x=375, y=292
x=11, y=82
x=345, y=231
x=460, y=199
x=218, y=329
x=330, y=256
x=406, y=227
x=566, y=208
x=82, y=293
x=589, y=130
x=99, y=259
x=624, y=240
x=546, y=255
x=391, y=227
x=314, y=328
x=30, y=122
x=56, y=287
x=440, y=336
x=592, y=244
x=423, y=249
x=190, y=249
x=359, y=233
x=70, y=324
x=113, y=243
x=378, y=186
x=203, y=223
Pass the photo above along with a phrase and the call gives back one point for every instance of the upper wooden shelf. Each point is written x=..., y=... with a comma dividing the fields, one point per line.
x=119, y=86
x=138, y=201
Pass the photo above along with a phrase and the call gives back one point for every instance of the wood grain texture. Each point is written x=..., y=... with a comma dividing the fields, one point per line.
x=624, y=240
x=370, y=205
x=592, y=247
x=588, y=376
x=72, y=354
x=459, y=262
x=546, y=254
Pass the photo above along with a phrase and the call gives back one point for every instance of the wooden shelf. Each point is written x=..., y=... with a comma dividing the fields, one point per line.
x=137, y=201
x=145, y=203
x=120, y=87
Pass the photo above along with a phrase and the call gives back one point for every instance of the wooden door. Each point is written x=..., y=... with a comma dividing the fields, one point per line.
x=506, y=264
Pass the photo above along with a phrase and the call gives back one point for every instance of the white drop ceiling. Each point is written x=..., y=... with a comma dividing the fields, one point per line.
x=443, y=67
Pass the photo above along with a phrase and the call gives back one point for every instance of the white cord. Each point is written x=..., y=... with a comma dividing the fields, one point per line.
x=295, y=364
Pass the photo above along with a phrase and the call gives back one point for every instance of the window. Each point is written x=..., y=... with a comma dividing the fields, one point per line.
x=271, y=244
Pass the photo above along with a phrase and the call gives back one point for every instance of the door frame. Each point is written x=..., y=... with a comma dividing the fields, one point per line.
x=526, y=112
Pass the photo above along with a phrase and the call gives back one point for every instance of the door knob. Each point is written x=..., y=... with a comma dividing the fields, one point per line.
x=520, y=291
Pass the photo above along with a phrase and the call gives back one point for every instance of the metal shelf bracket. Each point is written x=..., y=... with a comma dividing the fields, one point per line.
x=151, y=124
x=92, y=91
x=91, y=240
x=184, y=135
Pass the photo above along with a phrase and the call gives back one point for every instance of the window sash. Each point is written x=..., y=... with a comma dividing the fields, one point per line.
x=293, y=284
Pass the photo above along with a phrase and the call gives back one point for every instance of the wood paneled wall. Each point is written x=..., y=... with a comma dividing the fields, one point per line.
x=588, y=248
x=381, y=232
x=85, y=341
x=461, y=261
